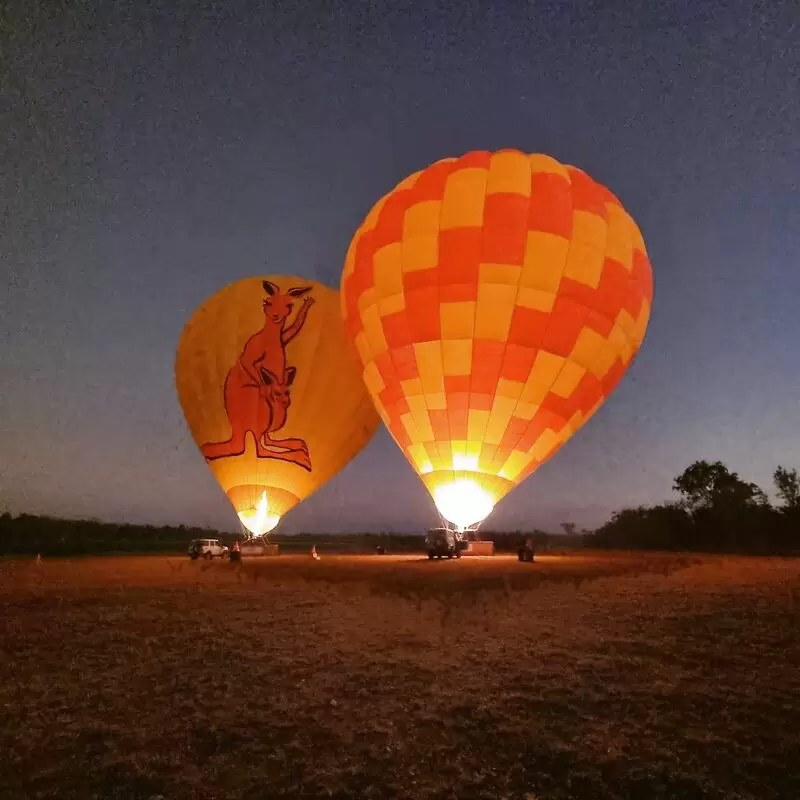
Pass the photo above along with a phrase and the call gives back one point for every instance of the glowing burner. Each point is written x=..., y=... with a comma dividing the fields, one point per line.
x=463, y=502
x=259, y=521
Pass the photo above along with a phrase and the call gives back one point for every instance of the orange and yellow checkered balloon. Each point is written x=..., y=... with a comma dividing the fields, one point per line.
x=495, y=301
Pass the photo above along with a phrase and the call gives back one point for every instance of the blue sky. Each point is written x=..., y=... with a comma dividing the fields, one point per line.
x=160, y=152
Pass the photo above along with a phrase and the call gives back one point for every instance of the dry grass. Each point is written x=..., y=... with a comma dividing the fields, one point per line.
x=630, y=676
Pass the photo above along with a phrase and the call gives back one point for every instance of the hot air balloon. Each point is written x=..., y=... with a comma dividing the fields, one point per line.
x=272, y=393
x=495, y=301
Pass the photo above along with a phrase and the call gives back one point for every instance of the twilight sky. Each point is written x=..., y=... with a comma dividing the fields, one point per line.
x=153, y=152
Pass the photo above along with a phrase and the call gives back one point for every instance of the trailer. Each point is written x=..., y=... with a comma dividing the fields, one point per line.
x=250, y=549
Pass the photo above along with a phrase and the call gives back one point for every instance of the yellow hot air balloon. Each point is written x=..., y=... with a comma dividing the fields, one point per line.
x=495, y=301
x=272, y=393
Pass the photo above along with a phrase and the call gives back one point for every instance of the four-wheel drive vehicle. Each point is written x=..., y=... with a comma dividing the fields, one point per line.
x=207, y=548
x=444, y=542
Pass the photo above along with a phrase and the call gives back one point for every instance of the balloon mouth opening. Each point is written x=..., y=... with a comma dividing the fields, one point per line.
x=463, y=502
x=258, y=520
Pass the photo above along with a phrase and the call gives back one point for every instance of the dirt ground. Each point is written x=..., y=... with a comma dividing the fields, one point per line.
x=580, y=676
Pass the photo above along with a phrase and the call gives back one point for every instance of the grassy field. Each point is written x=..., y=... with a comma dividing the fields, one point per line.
x=586, y=676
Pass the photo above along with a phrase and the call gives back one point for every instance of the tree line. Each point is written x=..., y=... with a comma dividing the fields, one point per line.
x=29, y=534
x=717, y=511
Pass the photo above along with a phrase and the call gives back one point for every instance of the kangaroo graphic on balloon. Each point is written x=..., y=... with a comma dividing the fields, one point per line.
x=258, y=386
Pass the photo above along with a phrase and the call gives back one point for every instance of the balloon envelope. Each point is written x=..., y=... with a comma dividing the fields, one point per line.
x=495, y=301
x=272, y=394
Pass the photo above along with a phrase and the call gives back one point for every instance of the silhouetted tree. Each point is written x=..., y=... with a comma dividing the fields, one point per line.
x=788, y=485
x=718, y=511
x=712, y=486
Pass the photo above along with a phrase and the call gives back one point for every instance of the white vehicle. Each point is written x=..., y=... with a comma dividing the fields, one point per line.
x=207, y=548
